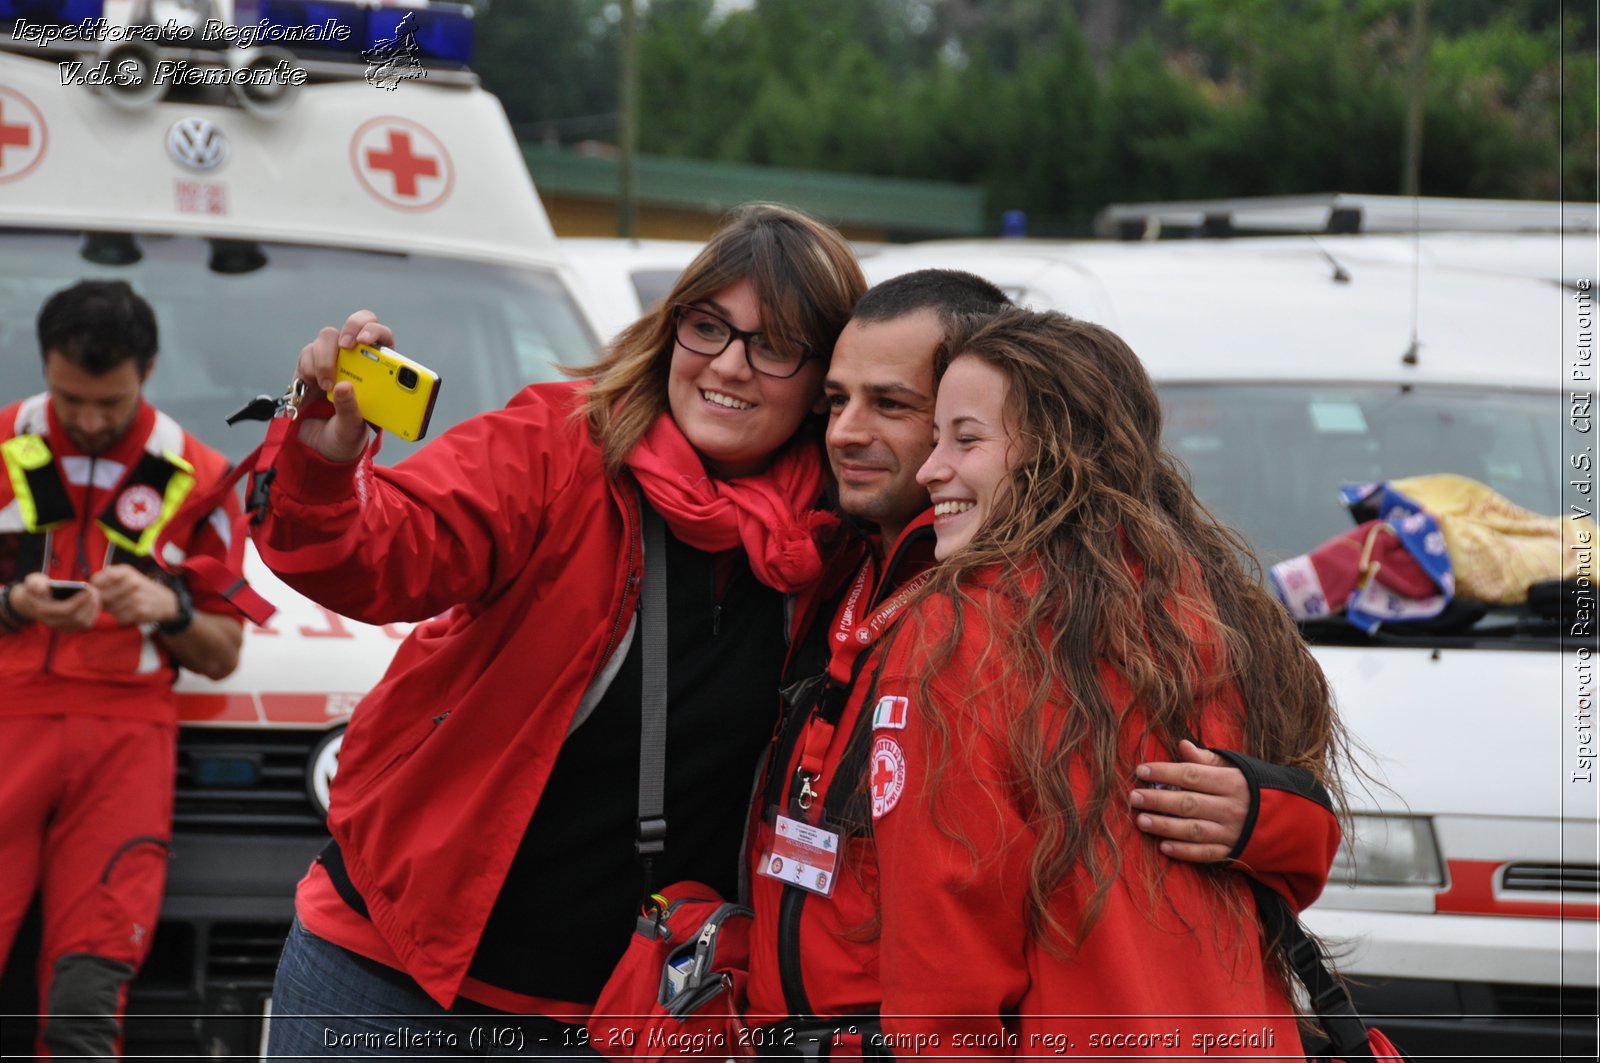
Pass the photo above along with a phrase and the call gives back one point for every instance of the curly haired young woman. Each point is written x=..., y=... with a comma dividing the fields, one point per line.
x=1088, y=615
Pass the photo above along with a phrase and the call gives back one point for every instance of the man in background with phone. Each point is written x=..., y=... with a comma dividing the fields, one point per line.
x=92, y=634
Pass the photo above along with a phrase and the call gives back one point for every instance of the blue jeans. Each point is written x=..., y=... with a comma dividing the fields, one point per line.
x=328, y=1003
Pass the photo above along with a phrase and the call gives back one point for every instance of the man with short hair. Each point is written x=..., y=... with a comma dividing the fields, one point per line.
x=880, y=392
x=92, y=634
x=880, y=389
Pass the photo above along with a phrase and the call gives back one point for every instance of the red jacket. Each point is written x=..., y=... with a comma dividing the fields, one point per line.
x=511, y=513
x=869, y=945
x=111, y=669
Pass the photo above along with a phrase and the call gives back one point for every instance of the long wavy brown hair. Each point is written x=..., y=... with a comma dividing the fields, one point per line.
x=1105, y=558
x=806, y=279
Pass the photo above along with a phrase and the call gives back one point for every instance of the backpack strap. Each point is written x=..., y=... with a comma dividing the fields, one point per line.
x=1336, y=1012
x=652, y=836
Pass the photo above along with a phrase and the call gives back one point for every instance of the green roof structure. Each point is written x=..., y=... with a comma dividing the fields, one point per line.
x=896, y=206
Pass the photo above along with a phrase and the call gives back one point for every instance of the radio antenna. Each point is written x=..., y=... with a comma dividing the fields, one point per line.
x=1410, y=357
x=1340, y=274
x=1411, y=172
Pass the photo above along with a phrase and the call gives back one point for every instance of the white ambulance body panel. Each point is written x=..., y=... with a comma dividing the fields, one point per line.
x=412, y=170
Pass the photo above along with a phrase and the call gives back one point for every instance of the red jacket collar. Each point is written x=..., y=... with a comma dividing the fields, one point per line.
x=910, y=554
x=922, y=520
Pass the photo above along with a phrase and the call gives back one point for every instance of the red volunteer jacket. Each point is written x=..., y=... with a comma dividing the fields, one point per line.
x=510, y=512
x=110, y=670
x=955, y=947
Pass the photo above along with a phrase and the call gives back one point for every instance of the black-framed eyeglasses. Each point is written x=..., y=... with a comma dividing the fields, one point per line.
x=702, y=332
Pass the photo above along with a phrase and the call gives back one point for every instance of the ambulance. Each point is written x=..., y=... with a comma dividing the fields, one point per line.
x=348, y=158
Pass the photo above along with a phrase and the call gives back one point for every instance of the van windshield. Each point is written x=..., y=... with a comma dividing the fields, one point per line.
x=232, y=317
x=1269, y=460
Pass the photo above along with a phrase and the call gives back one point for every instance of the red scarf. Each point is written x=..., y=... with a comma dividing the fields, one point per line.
x=771, y=515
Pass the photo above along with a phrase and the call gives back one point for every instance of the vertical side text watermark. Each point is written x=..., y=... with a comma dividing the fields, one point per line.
x=1580, y=623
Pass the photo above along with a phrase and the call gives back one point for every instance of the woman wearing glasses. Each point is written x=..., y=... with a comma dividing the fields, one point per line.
x=485, y=813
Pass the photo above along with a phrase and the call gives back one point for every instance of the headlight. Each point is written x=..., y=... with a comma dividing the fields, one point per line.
x=321, y=765
x=1388, y=851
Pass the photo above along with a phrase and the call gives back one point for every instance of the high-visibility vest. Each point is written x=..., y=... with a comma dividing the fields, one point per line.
x=145, y=501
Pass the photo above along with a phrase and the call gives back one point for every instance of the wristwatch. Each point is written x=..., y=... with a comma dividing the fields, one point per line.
x=180, y=623
x=10, y=619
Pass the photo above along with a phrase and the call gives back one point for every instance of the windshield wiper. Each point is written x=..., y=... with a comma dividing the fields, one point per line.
x=1463, y=623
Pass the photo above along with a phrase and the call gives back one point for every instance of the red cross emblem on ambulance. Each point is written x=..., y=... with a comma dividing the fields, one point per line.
x=23, y=135
x=401, y=163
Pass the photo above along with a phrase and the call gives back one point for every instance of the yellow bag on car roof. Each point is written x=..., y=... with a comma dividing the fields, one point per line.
x=1498, y=548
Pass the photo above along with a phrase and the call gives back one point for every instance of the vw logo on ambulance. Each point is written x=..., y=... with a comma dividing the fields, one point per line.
x=197, y=144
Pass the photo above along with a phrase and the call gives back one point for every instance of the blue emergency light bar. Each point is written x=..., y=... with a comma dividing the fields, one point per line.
x=438, y=34
x=303, y=15
x=50, y=12
x=442, y=33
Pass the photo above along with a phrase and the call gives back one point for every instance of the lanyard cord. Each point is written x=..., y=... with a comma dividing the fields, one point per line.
x=851, y=639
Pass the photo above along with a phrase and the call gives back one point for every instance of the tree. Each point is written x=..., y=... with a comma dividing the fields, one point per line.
x=1163, y=99
x=569, y=47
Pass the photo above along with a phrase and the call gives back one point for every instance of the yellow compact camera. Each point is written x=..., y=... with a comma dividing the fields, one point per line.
x=394, y=393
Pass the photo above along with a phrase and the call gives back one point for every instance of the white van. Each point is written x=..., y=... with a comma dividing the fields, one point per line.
x=248, y=223
x=1466, y=897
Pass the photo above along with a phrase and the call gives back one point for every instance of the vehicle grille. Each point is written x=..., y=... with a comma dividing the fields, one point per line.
x=1576, y=878
x=244, y=954
x=270, y=797
x=1567, y=1001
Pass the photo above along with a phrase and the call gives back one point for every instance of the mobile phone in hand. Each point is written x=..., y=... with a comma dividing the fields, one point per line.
x=62, y=589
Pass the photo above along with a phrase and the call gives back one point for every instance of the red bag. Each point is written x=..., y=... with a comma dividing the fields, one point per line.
x=1383, y=1049
x=679, y=988
x=1359, y=1044
x=1346, y=1036
x=1372, y=1046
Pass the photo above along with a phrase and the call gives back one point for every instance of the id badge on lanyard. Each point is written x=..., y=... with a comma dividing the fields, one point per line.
x=804, y=854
